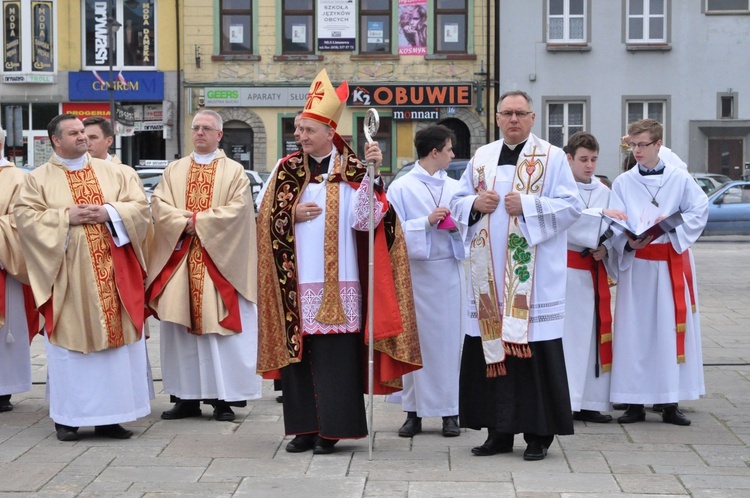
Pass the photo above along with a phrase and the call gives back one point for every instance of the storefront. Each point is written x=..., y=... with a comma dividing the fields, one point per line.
x=143, y=118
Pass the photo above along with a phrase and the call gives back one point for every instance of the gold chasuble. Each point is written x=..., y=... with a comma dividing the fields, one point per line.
x=195, y=281
x=279, y=311
x=90, y=291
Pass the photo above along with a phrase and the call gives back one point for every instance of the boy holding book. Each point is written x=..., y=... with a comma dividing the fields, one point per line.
x=587, y=339
x=656, y=356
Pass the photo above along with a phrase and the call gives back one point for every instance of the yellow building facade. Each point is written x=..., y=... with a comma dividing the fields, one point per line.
x=418, y=62
x=56, y=59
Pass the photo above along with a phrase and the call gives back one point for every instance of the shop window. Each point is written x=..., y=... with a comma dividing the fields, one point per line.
x=298, y=24
x=563, y=120
x=451, y=17
x=288, y=143
x=566, y=21
x=375, y=27
x=28, y=37
x=134, y=41
x=236, y=26
x=383, y=137
x=646, y=21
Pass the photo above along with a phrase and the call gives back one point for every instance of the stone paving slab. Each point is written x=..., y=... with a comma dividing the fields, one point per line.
x=205, y=458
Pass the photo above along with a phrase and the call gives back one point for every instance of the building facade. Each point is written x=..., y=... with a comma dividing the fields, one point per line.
x=418, y=62
x=596, y=66
x=57, y=58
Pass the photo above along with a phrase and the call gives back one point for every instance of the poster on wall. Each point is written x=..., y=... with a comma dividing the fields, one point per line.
x=12, y=36
x=136, y=36
x=337, y=24
x=41, y=48
x=412, y=27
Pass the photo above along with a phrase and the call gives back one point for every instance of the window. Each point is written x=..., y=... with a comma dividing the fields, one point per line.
x=567, y=21
x=236, y=26
x=28, y=37
x=375, y=26
x=451, y=18
x=563, y=120
x=288, y=142
x=646, y=109
x=134, y=41
x=728, y=6
x=383, y=137
x=298, y=24
x=727, y=105
x=646, y=21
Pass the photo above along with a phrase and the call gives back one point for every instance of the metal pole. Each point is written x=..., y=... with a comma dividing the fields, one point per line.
x=111, y=20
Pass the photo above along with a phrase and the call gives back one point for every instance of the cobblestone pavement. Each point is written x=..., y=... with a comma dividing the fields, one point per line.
x=203, y=457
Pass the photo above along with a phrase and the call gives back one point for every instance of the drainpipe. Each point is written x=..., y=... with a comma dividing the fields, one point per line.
x=178, y=114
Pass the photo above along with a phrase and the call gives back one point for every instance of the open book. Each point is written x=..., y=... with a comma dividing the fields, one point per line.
x=645, y=227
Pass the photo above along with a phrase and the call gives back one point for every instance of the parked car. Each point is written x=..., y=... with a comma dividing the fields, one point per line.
x=709, y=182
x=455, y=169
x=605, y=180
x=150, y=178
x=729, y=210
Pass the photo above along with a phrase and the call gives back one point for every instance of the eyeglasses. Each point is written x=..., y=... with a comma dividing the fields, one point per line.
x=519, y=114
x=641, y=145
x=206, y=129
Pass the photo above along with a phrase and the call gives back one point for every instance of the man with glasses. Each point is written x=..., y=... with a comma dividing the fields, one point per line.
x=202, y=278
x=656, y=349
x=517, y=199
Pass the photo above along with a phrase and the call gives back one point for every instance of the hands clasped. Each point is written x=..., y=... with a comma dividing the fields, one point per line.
x=87, y=214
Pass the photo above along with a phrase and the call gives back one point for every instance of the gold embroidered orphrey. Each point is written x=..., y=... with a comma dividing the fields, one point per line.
x=520, y=260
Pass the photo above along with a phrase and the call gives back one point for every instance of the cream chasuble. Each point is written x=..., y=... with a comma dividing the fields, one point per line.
x=73, y=265
x=221, y=203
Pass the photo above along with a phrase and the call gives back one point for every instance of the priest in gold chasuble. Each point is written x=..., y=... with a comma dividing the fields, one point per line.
x=312, y=284
x=16, y=302
x=202, y=278
x=83, y=227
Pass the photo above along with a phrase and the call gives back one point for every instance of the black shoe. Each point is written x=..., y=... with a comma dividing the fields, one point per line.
x=592, y=416
x=114, y=431
x=497, y=442
x=280, y=398
x=412, y=426
x=673, y=415
x=301, y=443
x=535, y=451
x=66, y=432
x=223, y=413
x=619, y=406
x=324, y=446
x=183, y=409
x=658, y=407
x=5, y=404
x=450, y=426
x=634, y=413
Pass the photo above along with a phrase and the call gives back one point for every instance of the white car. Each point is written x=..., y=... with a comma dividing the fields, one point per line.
x=256, y=182
x=150, y=178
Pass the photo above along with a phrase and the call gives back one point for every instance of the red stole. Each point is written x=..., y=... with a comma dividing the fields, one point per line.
x=602, y=303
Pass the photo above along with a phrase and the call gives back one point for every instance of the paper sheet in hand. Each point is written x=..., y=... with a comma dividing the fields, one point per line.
x=645, y=229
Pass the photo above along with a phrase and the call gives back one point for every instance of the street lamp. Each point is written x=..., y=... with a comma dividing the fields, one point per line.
x=112, y=27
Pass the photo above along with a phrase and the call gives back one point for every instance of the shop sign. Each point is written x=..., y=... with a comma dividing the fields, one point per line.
x=337, y=24
x=130, y=85
x=410, y=95
x=283, y=96
x=12, y=36
x=137, y=34
x=83, y=110
x=416, y=114
x=41, y=49
x=29, y=78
